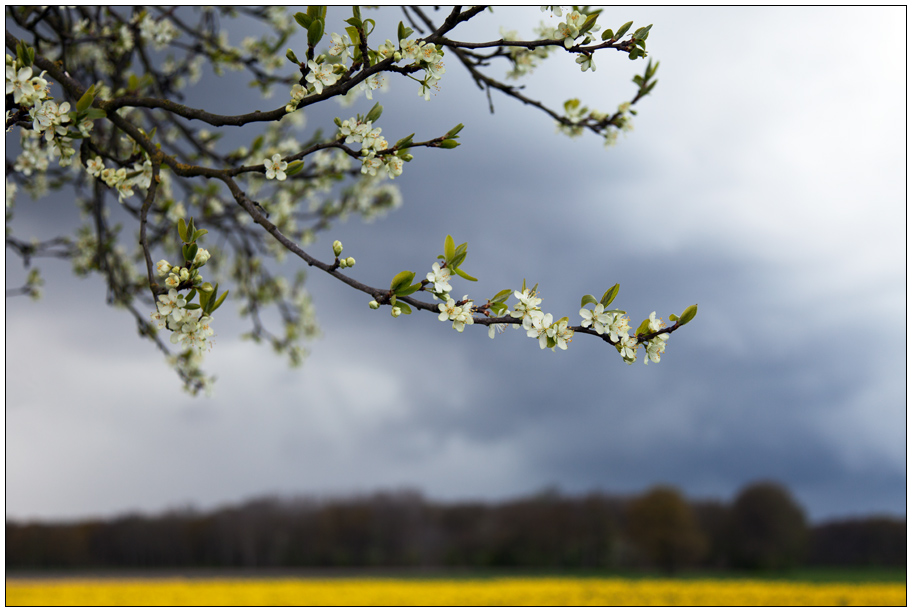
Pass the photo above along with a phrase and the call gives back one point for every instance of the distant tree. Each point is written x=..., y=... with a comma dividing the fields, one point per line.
x=875, y=541
x=714, y=519
x=768, y=528
x=662, y=524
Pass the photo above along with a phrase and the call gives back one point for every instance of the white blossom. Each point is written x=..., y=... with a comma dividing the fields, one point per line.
x=596, y=317
x=19, y=83
x=441, y=278
x=338, y=47
x=275, y=168
x=95, y=166
x=321, y=75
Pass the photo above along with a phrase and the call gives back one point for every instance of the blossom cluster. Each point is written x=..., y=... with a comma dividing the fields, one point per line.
x=27, y=89
x=158, y=32
x=120, y=179
x=542, y=326
x=539, y=325
x=614, y=324
x=190, y=324
x=32, y=92
x=460, y=313
x=177, y=274
x=526, y=60
x=362, y=131
x=656, y=346
x=429, y=57
x=190, y=327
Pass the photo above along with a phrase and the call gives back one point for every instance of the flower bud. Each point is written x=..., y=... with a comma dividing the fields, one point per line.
x=343, y=263
x=350, y=261
x=374, y=305
x=163, y=268
x=397, y=56
x=202, y=256
x=396, y=311
x=337, y=248
x=184, y=274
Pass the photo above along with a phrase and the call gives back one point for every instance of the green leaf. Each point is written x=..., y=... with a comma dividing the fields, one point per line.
x=642, y=33
x=588, y=299
x=403, y=279
x=292, y=57
x=86, y=100
x=457, y=260
x=643, y=328
x=403, y=32
x=608, y=34
x=408, y=290
x=449, y=249
x=452, y=133
x=403, y=143
x=651, y=69
x=610, y=295
x=449, y=143
x=95, y=113
x=317, y=12
x=218, y=302
x=672, y=317
x=459, y=254
x=354, y=35
x=303, y=20
x=374, y=113
x=294, y=167
x=464, y=275
x=199, y=234
x=356, y=13
x=590, y=21
x=190, y=251
x=498, y=308
x=192, y=306
x=315, y=32
x=687, y=316
x=405, y=308
x=23, y=54
x=182, y=230
x=623, y=29
x=205, y=296
x=502, y=295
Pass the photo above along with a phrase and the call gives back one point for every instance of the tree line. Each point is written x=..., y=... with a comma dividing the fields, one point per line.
x=763, y=528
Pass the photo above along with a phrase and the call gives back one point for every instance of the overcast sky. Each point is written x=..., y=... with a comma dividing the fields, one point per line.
x=764, y=180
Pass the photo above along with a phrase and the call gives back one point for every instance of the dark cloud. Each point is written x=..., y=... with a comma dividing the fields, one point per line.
x=773, y=379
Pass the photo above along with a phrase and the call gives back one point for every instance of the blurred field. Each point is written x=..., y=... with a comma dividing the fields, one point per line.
x=436, y=591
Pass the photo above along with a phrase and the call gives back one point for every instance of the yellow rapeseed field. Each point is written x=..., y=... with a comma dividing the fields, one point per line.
x=481, y=592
